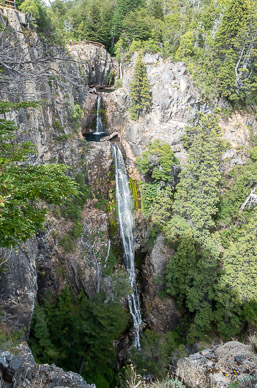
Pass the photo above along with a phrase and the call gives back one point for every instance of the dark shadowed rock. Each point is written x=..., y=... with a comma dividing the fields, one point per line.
x=18, y=284
x=21, y=371
x=161, y=314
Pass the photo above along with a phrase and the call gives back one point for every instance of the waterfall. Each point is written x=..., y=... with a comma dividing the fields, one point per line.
x=99, y=123
x=121, y=71
x=126, y=227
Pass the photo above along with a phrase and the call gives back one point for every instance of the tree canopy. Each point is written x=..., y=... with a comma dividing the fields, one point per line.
x=217, y=39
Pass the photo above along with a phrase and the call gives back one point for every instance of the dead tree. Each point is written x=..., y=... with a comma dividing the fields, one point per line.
x=26, y=63
x=96, y=257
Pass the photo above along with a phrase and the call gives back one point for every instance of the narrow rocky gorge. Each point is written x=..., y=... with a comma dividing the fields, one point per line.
x=74, y=85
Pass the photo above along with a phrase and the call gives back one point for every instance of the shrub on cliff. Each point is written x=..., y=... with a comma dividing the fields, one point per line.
x=39, y=13
x=160, y=168
x=22, y=186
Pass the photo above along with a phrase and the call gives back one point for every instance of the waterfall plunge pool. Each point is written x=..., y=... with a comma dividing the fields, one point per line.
x=95, y=136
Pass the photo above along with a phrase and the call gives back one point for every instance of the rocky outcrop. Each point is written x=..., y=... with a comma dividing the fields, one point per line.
x=89, y=113
x=175, y=101
x=160, y=311
x=42, y=72
x=97, y=66
x=18, y=369
x=99, y=161
x=110, y=137
x=219, y=366
x=18, y=285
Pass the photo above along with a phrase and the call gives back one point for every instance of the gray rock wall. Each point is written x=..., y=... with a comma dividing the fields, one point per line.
x=18, y=285
x=175, y=103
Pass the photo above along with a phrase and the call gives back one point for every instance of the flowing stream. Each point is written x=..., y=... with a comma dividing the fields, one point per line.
x=99, y=123
x=126, y=227
x=121, y=76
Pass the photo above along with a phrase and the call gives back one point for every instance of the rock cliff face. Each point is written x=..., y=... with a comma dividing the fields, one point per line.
x=60, y=79
x=161, y=314
x=174, y=104
x=96, y=66
x=18, y=369
x=18, y=284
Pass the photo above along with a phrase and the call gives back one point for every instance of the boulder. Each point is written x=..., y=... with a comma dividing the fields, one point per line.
x=19, y=370
x=218, y=367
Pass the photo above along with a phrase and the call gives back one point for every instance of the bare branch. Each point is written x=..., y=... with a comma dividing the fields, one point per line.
x=251, y=200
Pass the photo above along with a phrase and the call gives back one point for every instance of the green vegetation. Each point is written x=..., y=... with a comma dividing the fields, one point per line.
x=192, y=272
x=245, y=381
x=39, y=12
x=78, y=333
x=211, y=225
x=156, y=350
x=130, y=377
x=160, y=169
x=139, y=90
x=22, y=186
x=75, y=116
x=9, y=338
x=217, y=38
x=134, y=189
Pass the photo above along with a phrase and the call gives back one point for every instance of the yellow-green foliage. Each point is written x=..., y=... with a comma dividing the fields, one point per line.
x=254, y=153
x=134, y=191
x=112, y=209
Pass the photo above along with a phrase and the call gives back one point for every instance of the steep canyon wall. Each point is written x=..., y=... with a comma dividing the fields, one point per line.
x=63, y=80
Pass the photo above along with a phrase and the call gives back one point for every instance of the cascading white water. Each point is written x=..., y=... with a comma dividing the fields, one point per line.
x=121, y=76
x=126, y=227
x=99, y=123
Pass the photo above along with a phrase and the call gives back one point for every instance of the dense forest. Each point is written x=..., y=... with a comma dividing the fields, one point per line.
x=217, y=38
x=205, y=209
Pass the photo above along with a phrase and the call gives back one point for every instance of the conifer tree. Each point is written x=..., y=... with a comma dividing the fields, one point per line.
x=139, y=89
x=235, y=50
x=192, y=271
x=93, y=24
x=126, y=6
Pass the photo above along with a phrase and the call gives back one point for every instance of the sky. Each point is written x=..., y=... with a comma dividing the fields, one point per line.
x=47, y=2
